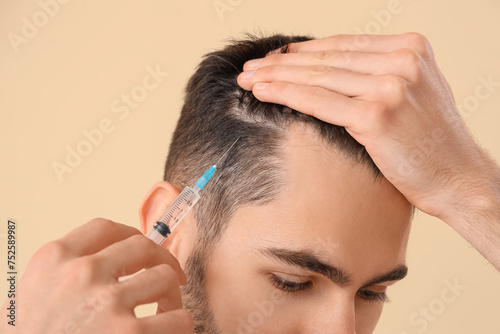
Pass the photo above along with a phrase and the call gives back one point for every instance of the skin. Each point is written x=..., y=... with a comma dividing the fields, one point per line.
x=362, y=229
x=75, y=278
x=390, y=95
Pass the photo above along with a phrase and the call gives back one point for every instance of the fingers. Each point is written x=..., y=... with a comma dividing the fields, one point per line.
x=133, y=254
x=400, y=62
x=158, y=284
x=335, y=78
x=96, y=235
x=177, y=321
x=367, y=43
x=339, y=64
x=344, y=82
x=319, y=102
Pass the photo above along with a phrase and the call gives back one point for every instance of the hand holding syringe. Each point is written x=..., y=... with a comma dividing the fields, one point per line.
x=181, y=205
x=179, y=208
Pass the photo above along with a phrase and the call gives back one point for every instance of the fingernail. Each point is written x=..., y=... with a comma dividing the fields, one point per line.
x=261, y=85
x=278, y=50
x=247, y=74
x=254, y=62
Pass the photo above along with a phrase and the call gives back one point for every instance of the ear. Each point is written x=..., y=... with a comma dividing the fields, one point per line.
x=154, y=204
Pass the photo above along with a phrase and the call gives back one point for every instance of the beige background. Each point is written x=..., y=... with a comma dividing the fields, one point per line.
x=65, y=77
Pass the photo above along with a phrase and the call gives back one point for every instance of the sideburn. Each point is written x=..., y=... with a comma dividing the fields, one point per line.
x=194, y=295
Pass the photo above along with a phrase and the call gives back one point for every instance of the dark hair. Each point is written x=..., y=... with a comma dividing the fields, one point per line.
x=216, y=112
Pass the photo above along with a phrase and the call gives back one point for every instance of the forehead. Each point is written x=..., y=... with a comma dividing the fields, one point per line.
x=332, y=206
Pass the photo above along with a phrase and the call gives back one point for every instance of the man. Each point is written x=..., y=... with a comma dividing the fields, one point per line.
x=303, y=229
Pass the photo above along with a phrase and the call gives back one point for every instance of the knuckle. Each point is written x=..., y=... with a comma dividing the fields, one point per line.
x=101, y=223
x=378, y=115
x=418, y=42
x=318, y=70
x=51, y=252
x=83, y=269
x=411, y=62
x=414, y=74
x=392, y=86
x=322, y=55
x=409, y=56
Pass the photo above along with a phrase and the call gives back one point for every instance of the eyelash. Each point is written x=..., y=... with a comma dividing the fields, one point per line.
x=371, y=296
x=291, y=287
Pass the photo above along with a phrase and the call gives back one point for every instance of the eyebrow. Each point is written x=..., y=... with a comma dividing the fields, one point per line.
x=309, y=261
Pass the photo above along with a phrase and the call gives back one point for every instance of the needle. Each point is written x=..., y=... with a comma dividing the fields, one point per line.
x=229, y=149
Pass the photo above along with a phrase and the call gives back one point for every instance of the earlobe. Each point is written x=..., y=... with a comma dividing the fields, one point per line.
x=154, y=204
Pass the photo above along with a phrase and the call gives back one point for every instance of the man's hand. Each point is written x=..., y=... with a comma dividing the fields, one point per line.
x=71, y=285
x=389, y=94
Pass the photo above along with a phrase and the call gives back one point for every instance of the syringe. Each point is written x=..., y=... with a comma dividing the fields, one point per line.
x=181, y=205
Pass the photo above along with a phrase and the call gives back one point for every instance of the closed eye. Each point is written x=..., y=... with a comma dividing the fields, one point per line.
x=289, y=286
x=373, y=296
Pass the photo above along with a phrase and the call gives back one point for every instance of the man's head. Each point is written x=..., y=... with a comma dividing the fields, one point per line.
x=297, y=229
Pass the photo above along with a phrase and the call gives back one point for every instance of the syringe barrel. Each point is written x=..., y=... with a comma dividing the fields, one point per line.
x=156, y=236
x=180, y=207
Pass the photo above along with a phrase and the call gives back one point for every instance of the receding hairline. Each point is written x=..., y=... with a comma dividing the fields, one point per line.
x=218, y=110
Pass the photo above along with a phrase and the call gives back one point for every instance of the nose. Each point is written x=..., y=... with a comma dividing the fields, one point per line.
x=337, y=318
